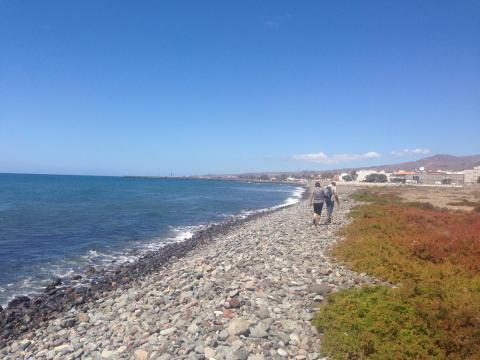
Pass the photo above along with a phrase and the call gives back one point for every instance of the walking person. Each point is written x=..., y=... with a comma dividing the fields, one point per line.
x=316, y=200
x=330, y=194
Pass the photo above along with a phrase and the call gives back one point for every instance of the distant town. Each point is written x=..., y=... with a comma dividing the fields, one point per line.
x=446, y=170
x=417, y=176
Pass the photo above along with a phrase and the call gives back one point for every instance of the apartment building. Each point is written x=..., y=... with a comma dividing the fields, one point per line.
x=472, y=176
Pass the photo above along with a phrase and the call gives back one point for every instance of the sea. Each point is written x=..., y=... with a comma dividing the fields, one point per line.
x=55, y=226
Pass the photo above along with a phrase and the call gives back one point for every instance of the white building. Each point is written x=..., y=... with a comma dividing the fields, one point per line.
x=362, y=174
x=472, y=176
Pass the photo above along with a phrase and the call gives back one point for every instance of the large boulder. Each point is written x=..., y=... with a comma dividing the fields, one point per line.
x=238, y=327
x=259, y=331
x=19, y=300
x=140, y=354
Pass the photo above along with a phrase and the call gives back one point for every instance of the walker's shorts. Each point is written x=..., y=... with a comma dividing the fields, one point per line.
x=317, y=208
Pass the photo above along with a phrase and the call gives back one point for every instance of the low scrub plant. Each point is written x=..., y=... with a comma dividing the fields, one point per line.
x=464, y=202
x=376, y=197
x=433, y=258
x=364, y=323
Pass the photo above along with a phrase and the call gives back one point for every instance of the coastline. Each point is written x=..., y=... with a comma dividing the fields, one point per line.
x=249, y=292
x=27, y=313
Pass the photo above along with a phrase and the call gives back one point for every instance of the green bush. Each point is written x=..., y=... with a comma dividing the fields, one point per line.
x=376, y=178
x=374, y=197
x=373, y=323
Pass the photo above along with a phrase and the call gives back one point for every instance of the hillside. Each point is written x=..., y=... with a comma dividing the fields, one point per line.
x=436, y=162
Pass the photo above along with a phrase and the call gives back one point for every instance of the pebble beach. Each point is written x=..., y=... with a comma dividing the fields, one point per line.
x=247, y=293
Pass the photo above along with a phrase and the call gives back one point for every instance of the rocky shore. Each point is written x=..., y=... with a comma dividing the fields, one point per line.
x=248, y=291
x=25, y=313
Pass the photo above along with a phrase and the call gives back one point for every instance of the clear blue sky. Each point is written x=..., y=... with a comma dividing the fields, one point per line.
x=194, y=87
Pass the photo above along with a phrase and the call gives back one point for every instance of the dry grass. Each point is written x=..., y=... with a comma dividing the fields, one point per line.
x=449, y=198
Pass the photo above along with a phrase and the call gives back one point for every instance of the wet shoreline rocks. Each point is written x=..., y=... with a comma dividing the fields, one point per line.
x=246, y=291
x=23, y=313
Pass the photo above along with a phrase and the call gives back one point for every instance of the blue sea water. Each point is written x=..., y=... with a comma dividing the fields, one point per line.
x=54, y=226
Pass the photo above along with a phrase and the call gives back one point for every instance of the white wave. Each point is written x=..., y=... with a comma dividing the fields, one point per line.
x=185, y=233
x=62, y=272
x=93, y=253
x=122, y=259
x=225, y=215
x=27, y=282
x=178, y=234
x=294, y=198
x=94, y=256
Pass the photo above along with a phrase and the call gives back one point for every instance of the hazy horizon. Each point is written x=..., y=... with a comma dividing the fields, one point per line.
x=225, y=174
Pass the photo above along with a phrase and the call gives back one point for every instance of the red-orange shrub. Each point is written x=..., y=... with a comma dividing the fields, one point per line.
x=440, y=235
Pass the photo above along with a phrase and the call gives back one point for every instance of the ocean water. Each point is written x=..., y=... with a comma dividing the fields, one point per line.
x=56, y=226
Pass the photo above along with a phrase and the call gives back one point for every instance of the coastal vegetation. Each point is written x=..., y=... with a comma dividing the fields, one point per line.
x=465, y=202
x=376, y=178
x=431, y=257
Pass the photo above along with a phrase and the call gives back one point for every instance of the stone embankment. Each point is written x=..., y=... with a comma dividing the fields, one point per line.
x=248, y=294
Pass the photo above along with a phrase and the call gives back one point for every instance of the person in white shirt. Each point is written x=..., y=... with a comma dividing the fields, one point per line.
x=330, y=197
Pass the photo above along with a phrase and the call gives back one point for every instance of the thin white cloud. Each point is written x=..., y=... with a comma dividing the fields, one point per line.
x=417, y=151
x=271, y=24
x=323, y=158
x=276, y=21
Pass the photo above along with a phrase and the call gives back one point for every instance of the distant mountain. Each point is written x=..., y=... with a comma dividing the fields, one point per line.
x=435, y=162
